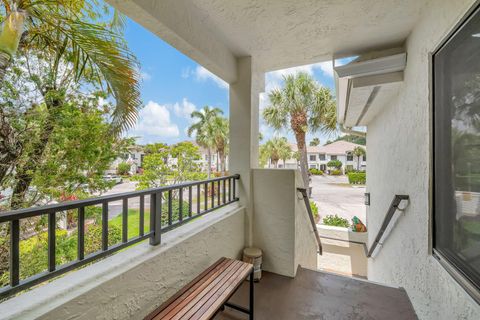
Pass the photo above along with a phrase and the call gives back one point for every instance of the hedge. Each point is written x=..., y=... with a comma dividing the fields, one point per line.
x=336, y=172
x=336, y=221
x=316, y=172
x=357, y=177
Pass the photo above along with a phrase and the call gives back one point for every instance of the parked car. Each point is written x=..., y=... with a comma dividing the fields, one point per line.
x=113, y=177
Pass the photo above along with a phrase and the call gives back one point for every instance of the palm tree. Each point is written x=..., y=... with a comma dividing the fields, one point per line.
x=315, y=142
x=358, y=152
x=202, y=131
x=218, y=129
x=302, y=105
x=76, y=28
x=276, y=149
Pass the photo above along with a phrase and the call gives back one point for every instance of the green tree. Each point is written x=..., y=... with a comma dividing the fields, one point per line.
x=78, y=51
x=218, y=129
x=203, y=135
x=337, y=164
x=302, y=106
x=170, y=165
x=123, y=168
x=276, y=149
x=350, y=138
x=358, y=152
x=315, y=142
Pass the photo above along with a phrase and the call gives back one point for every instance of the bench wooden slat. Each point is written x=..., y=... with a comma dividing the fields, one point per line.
x=220, y=287
x=193, y=288
x=219, y=299
x=202, y=297
x=194, y=305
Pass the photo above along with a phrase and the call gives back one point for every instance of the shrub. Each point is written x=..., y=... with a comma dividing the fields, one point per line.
x=336, y=221
x=357, y=177
x=175, y=211
x=123, y=168
x=316, y=172
x=93, y=237
x=336, y=172
x=314, y=207
x=334, y=164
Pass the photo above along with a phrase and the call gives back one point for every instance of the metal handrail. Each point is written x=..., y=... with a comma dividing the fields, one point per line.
x=214, y=189
x=386, y=221
x=306, y=199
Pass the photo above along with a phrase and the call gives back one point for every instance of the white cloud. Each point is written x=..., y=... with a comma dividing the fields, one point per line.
x=145, y=76
x=154, y=122
x=184, y=109
x=274, y=79
x=201, y=74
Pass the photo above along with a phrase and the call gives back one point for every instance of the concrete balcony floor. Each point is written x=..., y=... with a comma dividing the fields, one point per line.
x=319, y=295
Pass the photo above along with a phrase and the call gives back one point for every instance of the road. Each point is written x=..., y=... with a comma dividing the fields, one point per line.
x=115, y=207
x=333, y=195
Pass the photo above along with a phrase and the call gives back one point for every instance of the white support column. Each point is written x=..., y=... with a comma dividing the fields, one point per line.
x=244, y=121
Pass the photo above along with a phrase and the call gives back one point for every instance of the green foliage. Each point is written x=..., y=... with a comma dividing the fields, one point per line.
x=159, y=168
x=315, y=142
x=123, y=168
x=357, y=177
x=175, y=211
x=336, y=221
x=316, y=172
x=93, y=237
x=314, y=208
x=336, y=172
x=276, y=149
x=337, y=164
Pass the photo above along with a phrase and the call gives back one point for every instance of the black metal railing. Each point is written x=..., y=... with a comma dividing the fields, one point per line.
x=217, y=192
x=306, y=199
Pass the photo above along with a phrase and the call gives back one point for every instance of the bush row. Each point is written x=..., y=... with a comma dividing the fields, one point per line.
x=357, y=177
x=316, y=172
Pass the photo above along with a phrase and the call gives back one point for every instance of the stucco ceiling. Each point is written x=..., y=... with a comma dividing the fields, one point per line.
x=281, y=33
x=277, y=33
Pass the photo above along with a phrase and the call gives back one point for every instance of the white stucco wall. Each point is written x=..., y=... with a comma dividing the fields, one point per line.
x=281, y=228
x=398, y=155
x=134, y=282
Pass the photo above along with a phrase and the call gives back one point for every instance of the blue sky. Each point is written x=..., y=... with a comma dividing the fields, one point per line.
x=173, y=86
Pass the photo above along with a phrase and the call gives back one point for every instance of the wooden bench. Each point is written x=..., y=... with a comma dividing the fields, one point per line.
x=208, y=293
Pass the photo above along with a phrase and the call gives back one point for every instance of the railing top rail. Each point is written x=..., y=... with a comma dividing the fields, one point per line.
x=57, y=207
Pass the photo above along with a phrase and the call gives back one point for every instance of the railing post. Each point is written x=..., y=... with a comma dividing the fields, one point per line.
x=14, y=252
x=156, y=218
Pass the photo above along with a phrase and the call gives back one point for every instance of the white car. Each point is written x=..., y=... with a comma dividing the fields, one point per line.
x=112, y=177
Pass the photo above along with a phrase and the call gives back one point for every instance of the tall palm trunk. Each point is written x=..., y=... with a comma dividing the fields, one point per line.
x=221, y=155
x=13, y=28
x=209, y=160
x=298, y=124
x=26, y=171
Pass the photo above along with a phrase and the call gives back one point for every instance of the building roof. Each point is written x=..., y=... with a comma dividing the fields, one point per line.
x=336, y=148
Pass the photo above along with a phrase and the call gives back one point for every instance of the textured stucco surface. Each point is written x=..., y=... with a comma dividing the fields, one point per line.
x=277, y=33
x=340, y=256
x=281, y=228
x=132, y=283
x=398, y=150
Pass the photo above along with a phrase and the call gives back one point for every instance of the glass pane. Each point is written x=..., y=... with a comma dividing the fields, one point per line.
x=457, y=149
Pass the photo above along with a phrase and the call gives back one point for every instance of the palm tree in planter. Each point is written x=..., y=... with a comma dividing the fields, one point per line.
x=203, y=134
x=359, y=152
x=302, y=106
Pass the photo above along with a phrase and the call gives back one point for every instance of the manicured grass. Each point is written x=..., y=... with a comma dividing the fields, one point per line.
x=133, y=222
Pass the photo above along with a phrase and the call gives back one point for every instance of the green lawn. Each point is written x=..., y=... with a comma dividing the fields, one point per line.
x=133, y=222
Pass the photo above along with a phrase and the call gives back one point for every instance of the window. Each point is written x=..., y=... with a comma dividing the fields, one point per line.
x=321, y=157
x=456, y=155
x=364, y=158
x=349, y=157
x=313, y=157
x=333, y=157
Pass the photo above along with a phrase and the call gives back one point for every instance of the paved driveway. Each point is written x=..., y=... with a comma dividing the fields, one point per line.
x=333, y=195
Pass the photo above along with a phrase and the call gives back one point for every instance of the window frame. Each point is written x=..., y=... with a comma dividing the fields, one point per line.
x=447, y=261
x=314, y=157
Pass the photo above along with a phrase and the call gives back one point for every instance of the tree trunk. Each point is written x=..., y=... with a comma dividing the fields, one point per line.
x=298, y=122
x=221, y=155
x=218, y=162
x=26, y=171
x=209, y=160
x=10, y=147
x=358, y=163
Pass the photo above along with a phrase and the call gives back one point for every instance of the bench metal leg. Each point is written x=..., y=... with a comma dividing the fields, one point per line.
x=251, y=297
x=248, y=311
